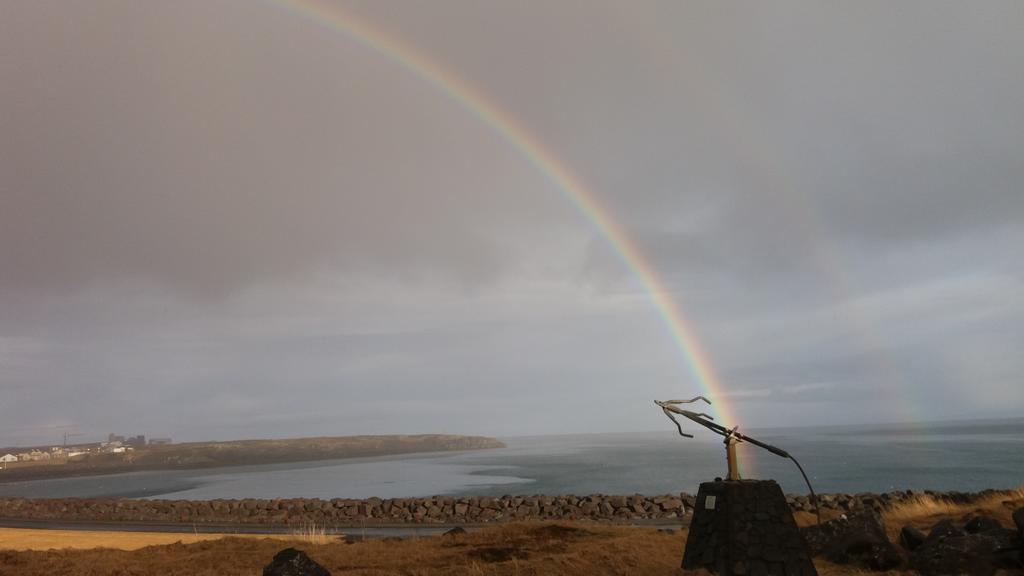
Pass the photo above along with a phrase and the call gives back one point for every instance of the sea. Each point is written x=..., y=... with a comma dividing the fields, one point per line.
x=964, y=456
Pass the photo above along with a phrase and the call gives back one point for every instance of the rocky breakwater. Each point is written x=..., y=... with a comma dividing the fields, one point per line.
x=346, y=512
x=669, y=508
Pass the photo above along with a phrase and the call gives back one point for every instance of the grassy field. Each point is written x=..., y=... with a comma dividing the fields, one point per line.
x=511, y=549
x=926, y=511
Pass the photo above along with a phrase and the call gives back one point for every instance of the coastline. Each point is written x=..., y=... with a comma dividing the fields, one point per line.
x=239, y=453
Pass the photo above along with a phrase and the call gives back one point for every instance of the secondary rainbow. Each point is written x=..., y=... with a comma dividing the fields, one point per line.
x=447, y=82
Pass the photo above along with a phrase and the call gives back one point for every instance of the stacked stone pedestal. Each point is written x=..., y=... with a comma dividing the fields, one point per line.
x=745, y=527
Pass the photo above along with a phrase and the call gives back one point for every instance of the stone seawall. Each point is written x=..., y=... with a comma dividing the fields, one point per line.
x=434, y=510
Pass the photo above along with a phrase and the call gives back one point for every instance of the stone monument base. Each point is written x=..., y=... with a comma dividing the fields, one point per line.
x=745, y=527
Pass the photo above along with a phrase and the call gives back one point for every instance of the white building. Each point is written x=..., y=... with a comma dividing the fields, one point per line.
x=8, y=458
x=36, y=456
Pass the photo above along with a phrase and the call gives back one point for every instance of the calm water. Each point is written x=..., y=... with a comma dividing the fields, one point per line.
x=947, y=456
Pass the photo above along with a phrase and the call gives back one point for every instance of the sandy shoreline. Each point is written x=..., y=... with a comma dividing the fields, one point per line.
x=42, y=539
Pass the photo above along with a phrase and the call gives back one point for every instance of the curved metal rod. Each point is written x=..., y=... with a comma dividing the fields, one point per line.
x=670, y=406
x=690, y=401
x=676, y=422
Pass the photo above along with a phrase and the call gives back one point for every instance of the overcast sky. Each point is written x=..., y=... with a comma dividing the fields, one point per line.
x=224, y=219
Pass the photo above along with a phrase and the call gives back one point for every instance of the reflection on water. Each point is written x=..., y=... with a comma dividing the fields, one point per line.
x=384, y=478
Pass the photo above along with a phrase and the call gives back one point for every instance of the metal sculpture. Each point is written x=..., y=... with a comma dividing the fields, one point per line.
x=732, y=438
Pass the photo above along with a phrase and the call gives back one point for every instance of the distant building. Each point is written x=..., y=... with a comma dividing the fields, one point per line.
x=111, y=438
x=136, y=441
x=159, y=441
x=23, y=457
x=8, y=458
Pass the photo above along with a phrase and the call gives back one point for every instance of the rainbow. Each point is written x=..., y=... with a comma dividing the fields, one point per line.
x=488, y=112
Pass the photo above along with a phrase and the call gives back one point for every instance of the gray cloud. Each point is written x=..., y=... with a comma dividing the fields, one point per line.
x=232, y=216
x=187, y=145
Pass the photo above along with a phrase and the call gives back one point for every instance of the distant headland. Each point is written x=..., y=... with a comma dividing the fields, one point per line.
x=192, y=455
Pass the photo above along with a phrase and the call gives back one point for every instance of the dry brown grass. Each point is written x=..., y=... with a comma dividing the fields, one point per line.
x=312, y=533
x=514, y=549
x=30, y=539
x=810, y=518
x=924, y=511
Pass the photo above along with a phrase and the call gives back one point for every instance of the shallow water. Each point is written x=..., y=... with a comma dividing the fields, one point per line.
x=947, y=456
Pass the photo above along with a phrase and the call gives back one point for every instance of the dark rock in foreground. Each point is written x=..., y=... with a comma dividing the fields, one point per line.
x=1018, y=519
x=979, y=524
x=292, y=562
x=911, y=538
x=857, y=538
x=944, y=529
x=981, y=549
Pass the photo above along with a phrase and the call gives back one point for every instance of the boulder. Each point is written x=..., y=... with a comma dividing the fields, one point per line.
x=911, y=538
x=944, y=529
x=856, y=538
x=1018, y=519
x=457, y=531
x=671, y=504
x=980, y=554
x=979, y=524
x=292, y=562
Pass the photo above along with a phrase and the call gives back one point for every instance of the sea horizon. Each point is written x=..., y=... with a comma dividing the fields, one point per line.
x=965, y=456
